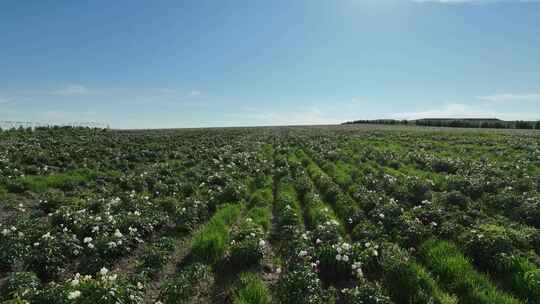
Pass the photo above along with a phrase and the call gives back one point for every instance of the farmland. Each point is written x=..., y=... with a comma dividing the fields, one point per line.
x=337, y=214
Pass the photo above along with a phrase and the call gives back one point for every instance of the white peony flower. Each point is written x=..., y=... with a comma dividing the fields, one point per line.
x=118, y=234
x=74, y=294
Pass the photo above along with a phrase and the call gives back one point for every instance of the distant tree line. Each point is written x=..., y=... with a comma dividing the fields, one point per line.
x=52, y=127
x=379, y=122
x=456, y=123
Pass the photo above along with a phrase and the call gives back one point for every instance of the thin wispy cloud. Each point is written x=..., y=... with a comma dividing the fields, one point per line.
x=176, y=92
x=4, y=101
x=167, y=91
x=461, y=110
x=309, y=115
x=115, y=95
x=71, y=90
x=511, y=98
x=450, y=110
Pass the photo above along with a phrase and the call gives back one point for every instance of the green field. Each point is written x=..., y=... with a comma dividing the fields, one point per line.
x=325, y=214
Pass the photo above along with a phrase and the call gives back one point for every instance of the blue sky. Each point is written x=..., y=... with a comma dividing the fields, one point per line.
x=145, y=64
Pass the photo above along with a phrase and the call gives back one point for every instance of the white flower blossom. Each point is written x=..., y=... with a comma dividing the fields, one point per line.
x=74, y=294
x=118, y=234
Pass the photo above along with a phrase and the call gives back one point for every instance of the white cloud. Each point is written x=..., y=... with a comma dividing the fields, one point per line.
x=167, y=91
x=459, y=110
x=194, y=93
x=450, y=110
x=61, y=116
x=298, y=116
x=70, y=90
x=508, y=98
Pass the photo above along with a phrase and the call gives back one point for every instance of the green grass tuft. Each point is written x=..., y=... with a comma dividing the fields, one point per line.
x=457, y=274
x=209, y=244
x=251, y=290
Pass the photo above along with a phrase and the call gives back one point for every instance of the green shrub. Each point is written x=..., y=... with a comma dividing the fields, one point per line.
x=152, y=260
x=248, y=241
x=299, y=285
x=85, y=290
x=52, y=200
x=187, y=284
x=365, y=293
x=19, y=283
x=190, y=214
x=47, y=257
x=487, y=242
x=3, y=192
x=366, y=231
